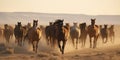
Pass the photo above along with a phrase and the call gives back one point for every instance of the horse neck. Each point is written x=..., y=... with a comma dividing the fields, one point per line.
x=34, y=26
x=59, y=28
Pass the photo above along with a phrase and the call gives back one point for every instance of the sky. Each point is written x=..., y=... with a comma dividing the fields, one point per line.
x=89, y=7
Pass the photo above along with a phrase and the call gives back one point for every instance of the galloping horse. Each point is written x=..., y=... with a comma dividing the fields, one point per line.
x=83, y=35
x=19, y=33
x=48, y=33
x=111, y=33
x=8, y=32
x=93, y=32
x=104, y=33
x=61, y=34
x=75, y=34
x=1, y=32
x=34, y=35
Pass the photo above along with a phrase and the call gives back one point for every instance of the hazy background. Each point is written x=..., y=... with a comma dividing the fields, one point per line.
x=90, y=7
x=45, y=18
x=105, y=11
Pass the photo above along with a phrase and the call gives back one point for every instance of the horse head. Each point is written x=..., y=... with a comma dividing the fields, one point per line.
x=93, y=21
x=50, y=23
x=19, y=24
x=6, y=26
x=59, y=22
x=35, y=23
x=105, y=26
x=82, y=25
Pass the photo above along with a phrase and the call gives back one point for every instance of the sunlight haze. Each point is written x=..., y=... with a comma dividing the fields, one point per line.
x=90, y=7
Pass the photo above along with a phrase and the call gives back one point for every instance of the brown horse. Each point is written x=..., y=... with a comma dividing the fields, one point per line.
x=47, y=33
x=8, y=32
x=1, y=33
x=111, y=33
x=93, y=32
x=75, y=34
x=19, y=33
x=50, y=32
x=83, y=35
x=34, y=35
x=104, y=33
x=61, y=34
x=67, y=26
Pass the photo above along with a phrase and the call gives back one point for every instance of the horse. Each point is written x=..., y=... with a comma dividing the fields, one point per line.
x=8, y=32
x=93, y=32
x=75, y=34
x=19, y=33
x=34, y=35
x=48, y=33
x=1, y=32
x=111, y=33
x=61, y=34
x=104, y=33
x=83, y=35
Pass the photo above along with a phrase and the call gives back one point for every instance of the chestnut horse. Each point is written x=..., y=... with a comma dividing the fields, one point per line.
x=93, y=32
x=34, y=35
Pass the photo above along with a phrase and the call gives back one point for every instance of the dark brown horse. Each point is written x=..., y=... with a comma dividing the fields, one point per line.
x=50, y=32
x=19, y=33
x=8, y=32
x=1, y=32
x=111, y=33
x=104, y=34
x=34, y=35
x=83, y=35
x=93, y=32
x=61, y=34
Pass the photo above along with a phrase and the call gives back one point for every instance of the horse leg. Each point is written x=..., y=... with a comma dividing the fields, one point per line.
x=73, y=42
x=37, y=46
x=47, y=40
x=90, y=42
x=54, y=42
x=59, y=46
x=21, y=41
x=106, y=39
x=95, y=42
x=84, y=42
x=18, y=41
x=33, y=45
x=63, y=46
x=77, y=43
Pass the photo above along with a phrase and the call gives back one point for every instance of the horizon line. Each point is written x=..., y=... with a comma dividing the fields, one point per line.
x=59, y=13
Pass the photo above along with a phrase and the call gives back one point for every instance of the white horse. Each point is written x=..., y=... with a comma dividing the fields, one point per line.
x=75, y=34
